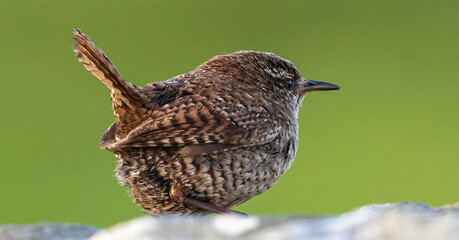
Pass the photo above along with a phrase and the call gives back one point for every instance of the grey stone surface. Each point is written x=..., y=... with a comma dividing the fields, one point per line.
x=46, y=231
x=405, y=220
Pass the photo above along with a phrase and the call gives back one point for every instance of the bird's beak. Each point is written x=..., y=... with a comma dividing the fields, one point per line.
x=312, y=85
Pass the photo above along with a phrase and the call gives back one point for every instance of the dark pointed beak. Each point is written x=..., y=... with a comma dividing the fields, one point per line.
x=319, y=86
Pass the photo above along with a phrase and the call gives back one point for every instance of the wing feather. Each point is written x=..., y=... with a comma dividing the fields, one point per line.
x=196, y=119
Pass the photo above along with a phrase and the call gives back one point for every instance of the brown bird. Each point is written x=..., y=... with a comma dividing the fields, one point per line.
x=207, y=140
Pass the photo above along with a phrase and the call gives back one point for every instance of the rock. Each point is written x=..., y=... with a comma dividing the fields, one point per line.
x=47, y=231
x=405, y=220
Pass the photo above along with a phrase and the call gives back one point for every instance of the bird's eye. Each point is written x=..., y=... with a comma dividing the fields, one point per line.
x=289, y=82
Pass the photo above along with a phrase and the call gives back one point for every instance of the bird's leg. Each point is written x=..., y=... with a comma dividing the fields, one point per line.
x=178, y=193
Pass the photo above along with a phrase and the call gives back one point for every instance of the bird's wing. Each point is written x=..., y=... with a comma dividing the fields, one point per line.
x=199, y=120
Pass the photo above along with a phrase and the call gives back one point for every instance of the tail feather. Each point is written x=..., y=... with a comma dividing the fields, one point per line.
x=96, y=62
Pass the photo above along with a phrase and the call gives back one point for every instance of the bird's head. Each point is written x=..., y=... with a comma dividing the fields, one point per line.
x=269, y=73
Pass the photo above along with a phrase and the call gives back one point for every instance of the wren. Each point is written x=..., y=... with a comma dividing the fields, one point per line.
x=207, y=140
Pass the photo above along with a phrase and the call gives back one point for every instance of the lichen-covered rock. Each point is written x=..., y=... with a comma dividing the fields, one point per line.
x=46, y=231
x=405, y=220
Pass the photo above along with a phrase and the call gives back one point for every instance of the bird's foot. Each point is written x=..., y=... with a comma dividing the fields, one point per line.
x=178, y=193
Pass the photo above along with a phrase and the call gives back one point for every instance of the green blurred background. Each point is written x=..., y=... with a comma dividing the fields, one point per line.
x=390, y=134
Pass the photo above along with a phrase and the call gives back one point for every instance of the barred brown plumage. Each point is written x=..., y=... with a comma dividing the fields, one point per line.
x=207, y=140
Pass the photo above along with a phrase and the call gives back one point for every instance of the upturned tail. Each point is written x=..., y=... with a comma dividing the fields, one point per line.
x=96, y=62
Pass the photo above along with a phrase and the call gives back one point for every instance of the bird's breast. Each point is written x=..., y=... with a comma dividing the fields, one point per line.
x=225, y=178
